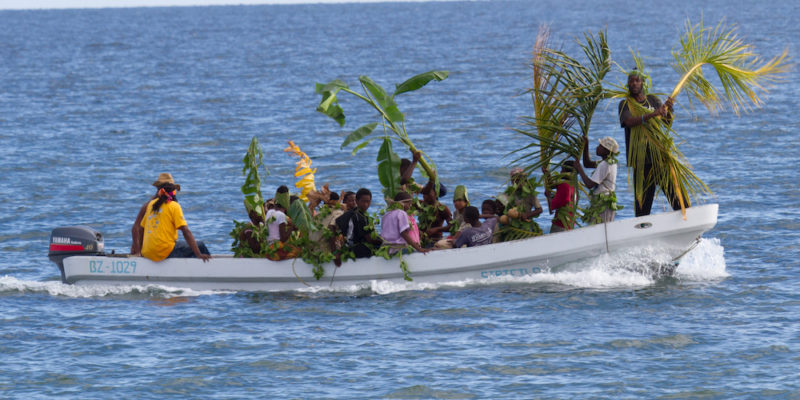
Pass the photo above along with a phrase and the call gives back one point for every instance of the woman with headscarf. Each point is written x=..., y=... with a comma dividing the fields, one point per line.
x=161, y=222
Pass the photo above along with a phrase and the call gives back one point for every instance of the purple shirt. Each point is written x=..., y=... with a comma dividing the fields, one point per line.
x=474, y=236
x=394, y=223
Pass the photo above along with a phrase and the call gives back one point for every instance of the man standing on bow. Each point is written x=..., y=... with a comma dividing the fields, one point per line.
x=631, y=116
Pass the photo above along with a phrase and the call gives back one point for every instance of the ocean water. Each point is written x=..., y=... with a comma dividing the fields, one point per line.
x=95, y=103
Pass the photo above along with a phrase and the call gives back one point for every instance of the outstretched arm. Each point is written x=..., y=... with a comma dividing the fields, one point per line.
x=586, y=180
x=587, y=159
x=187, y=234
x=405, y=175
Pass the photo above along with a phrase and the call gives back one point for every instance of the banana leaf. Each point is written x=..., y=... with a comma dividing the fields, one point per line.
x=392, y=119
x=301, y=216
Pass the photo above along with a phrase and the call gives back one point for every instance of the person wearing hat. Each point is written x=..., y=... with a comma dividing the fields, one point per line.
x=603, y=182
x=632, y=115
x=162, y=220
x=137, y=232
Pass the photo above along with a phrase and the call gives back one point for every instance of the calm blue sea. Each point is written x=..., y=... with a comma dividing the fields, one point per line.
x=95, y=103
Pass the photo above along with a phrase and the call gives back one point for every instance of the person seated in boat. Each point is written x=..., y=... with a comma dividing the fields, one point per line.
x=137, y=232
x=489, y=216
x=477, y=234
x=457, y=223
x=348, y=200
x=432, y=216
x=565, y=200
x=326, y=218
x=276, y=219
x=161, y=222
x=279, y=227
x=398, y=228
x=521, y=204
x=354, y=225
x=603, y=182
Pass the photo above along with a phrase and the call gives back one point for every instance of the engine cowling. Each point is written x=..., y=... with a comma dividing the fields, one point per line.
x=67, y=241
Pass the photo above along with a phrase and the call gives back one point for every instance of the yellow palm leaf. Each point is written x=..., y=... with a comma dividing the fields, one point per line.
x=303, y=168
x=740, y=72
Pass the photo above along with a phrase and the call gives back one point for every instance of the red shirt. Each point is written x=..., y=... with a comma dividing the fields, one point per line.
x=565, y=196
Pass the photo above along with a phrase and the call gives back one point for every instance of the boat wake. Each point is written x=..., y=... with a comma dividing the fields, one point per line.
x=630, y=269
x=11, y=285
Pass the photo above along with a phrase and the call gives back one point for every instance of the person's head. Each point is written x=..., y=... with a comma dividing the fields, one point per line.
x=404, y=199
x=488, y=207
x=429, y=193
x=166, y=192
x=471, y=215
x=637, y=82
x=607, y=147
x=517, y=175
x=499, y=207
x=349, y=200
x=460, y=198
x=568, y=167
x=363, y=199
x=333, y=199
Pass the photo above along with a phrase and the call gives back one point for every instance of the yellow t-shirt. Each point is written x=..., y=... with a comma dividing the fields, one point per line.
x=161, y=229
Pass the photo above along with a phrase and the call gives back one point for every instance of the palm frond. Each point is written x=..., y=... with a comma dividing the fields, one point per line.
x=738, y=68
x=564, y=95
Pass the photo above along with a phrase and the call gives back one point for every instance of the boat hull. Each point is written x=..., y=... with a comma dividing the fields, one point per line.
x=667, y=231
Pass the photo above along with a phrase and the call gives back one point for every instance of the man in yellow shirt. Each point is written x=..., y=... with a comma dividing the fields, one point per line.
x=161, y=222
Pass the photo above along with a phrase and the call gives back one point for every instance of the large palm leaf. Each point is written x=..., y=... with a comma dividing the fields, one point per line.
x=564, y=95
x=733, y=60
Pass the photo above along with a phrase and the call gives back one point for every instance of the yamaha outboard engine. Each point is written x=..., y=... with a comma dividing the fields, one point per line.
x=69, y=241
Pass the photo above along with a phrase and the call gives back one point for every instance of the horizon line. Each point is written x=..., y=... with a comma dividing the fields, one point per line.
x=101, y=4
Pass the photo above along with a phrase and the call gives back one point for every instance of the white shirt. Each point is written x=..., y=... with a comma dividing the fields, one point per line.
x=274, y=226
x=605, y=176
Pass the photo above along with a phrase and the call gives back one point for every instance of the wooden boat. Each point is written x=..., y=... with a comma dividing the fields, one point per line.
x=78, y=251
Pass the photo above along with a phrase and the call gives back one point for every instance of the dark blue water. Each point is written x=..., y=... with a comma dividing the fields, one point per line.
x=95, y=103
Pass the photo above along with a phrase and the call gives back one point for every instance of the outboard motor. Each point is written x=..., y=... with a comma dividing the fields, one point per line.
x=69, y=241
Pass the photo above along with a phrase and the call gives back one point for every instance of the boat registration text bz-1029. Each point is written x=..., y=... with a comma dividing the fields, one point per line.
x=112, y=267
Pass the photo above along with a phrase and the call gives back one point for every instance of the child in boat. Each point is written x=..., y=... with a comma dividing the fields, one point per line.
x=489, y=215
x=398, y=228
x=477, y=234
x=280, y=227
x=348, y=200
x=603, y=200
x=353, y=223
x=326, y=217
x=276, y=217
x=160, y=224
x=457, y=223
x=564, y=201
x=432, y=216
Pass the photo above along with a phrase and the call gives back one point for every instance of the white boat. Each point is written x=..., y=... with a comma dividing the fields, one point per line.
x=668, y=231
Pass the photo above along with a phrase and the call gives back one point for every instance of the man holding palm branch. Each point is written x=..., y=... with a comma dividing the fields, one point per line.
x=649, y=107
